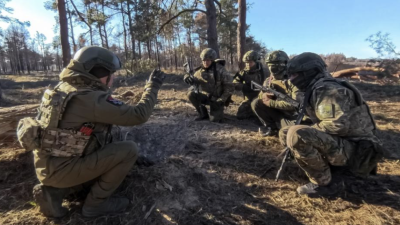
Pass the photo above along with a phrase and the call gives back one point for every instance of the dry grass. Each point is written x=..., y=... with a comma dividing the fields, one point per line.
x=210, y=173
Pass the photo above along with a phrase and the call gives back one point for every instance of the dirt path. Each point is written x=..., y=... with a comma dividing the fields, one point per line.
x=209, y=173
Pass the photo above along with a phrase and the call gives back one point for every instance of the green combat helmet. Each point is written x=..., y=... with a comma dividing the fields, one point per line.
x=277, y=61
x=277, y=57
x=251, y=56
x=307, y=66
x=208, y=54
x=92, y=56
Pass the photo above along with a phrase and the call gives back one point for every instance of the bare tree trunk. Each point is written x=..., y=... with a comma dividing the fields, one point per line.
x=241, y=33
x=149, y=48
x=131, y=30
x=66, y=51
x=75, y=47
x=104, y=29
x=125, y=33
x=212, y=35
x=140, y=49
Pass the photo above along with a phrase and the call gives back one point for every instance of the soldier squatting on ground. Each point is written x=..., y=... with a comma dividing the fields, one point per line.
x=274, y=113
x=215, y=87
x=252, y=72
x=72, y=144
x=75, y=147
x=342, y=131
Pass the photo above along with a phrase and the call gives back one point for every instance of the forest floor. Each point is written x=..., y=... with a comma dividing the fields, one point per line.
x=210, y=173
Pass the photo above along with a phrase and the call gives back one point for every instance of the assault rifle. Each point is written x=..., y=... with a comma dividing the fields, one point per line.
x=281, y=96
x=300, y=117
x=189, y=69
x=286, y=153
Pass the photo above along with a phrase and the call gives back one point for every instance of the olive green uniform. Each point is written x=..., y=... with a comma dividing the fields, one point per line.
x=242, y=81
x=215, y=86
x=105, y=161
x=342, y=123
x=277, y=113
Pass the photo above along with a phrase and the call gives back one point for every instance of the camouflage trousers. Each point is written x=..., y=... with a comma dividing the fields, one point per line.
x=245, y=111
x=199, y=99
x=314, y=151
x=106, y=168
x=271, y=117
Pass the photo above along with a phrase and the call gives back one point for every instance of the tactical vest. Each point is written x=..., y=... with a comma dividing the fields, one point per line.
x=362, y=122
x=368, y=149
x=43, y=133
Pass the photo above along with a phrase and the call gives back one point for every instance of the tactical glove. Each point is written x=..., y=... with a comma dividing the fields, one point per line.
x=188, y=79
x=156, y=76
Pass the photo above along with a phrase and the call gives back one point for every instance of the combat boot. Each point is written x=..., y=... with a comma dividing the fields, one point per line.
x=268, y=131
x=314, y=190
x=111, y=205
x=50, y=200
x=203, y=113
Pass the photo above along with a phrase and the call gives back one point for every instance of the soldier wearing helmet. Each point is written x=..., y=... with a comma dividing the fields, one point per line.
x=342, y=131
x=76, y=146
x=252, y=72
x=275, y=113
x=215, y=87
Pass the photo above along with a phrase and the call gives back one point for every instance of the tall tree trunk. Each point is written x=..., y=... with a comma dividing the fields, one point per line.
x=75, y=47
x=241, y=33
x=125, y=33
x=149, y=48
x=66, y=50
x=104, y=28
x=140, y=49
x=131, y=30
x=230, y=47
x=212, y=35
x=28, y=66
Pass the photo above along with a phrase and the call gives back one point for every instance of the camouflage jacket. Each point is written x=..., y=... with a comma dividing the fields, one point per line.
x=243, y=78
x=285, y=87
x=219, y=86
x=96, y=106
x=337, y=107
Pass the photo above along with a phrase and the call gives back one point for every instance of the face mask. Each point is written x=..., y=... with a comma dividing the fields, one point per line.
x=277, y=70
x=299, y=82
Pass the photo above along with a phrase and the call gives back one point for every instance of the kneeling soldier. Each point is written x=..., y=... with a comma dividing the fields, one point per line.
x=215, y=87
x=342, y=133
x=252, y=72
x=75, y=144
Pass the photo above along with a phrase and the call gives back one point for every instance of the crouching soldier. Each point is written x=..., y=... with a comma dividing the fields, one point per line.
x=276, y=113
x=214, y=87
x=252, y=72
x=342, y=132
x=74, y=145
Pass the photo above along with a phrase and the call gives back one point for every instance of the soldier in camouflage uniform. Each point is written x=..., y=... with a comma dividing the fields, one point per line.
x=342, y=133
x=275, y=113
x=242, y=80
x=76, y=147
x=215, y=87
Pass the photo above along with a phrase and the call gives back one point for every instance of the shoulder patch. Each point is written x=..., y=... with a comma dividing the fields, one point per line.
x=114, y=101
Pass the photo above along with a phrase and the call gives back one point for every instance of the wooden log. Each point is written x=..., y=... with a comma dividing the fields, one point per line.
x=361, y=71
x=9, y=117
